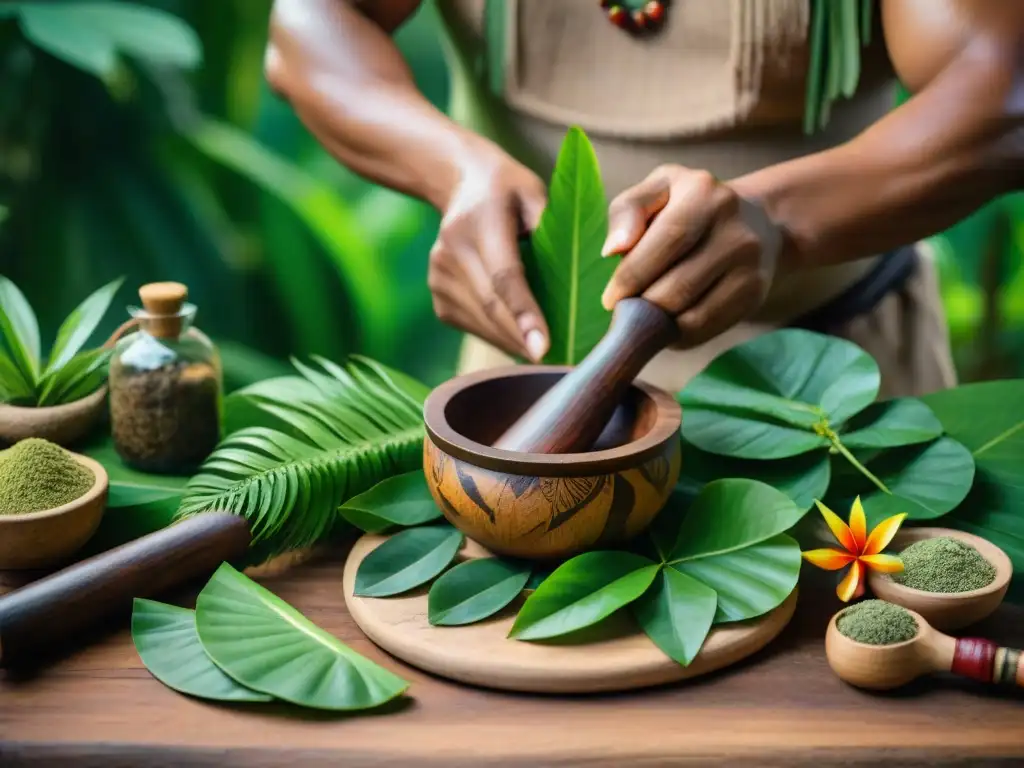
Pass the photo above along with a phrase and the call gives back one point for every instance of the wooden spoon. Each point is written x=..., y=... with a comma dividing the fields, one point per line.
x=571, y=415
x=883, y=667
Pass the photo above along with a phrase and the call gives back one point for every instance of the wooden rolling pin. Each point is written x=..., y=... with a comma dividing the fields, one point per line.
x=55, y=611
x=570, y=416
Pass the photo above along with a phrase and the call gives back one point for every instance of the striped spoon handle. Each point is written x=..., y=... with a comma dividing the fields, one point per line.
x=988, y=662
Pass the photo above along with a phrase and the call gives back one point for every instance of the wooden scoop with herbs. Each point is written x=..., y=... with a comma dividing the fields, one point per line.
x=880, y=645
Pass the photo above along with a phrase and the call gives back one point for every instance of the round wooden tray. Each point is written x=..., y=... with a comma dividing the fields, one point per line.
x=615, y=658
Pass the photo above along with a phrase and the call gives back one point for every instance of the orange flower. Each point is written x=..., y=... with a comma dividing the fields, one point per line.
x=861, y=550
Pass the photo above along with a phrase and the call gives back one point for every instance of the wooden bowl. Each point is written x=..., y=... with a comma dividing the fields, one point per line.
x=545, y=506
x=45, y=538
x=60, y=424
x=946, y=611
x=883, y=667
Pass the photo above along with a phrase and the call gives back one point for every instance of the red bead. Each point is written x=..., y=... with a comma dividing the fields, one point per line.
x=639, y=19
x=617, y=15
x=655, y=12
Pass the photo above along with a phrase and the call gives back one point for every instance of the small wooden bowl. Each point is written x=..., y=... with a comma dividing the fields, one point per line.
x=946, y=611
x=883, y=667
x=60, y=424
x=545, y=506
x=45, y=538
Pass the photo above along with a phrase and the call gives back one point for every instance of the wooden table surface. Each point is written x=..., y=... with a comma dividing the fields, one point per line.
x=99, y=706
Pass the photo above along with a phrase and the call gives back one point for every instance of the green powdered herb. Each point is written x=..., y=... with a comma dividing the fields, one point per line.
x=876, y=622
x=944, y=564
x=37, y=475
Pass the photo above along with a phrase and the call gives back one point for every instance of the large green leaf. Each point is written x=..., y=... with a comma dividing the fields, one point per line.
x=127, y=486
x=803, y=478
x=19, y=329
x=749, y=581
x=407, y=560
x=774, y=396
x=403, y=500
x=564, y=266
x=79, y=326
x=988, y=419
x=676, y=613
x=729, y=515
x=265, y=644
x=475, y=589
x=89, y=35
x=923, y=481
x=167, y=642
x=351, y=427
x=582, y=592
x=891, y=423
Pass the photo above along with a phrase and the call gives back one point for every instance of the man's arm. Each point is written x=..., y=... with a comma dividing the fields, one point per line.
x=334, y=61
x=956, y=145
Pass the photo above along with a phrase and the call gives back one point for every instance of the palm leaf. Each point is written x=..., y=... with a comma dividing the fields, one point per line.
x=351, y=426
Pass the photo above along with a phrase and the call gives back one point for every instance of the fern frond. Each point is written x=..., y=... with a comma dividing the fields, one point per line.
x=346, y=428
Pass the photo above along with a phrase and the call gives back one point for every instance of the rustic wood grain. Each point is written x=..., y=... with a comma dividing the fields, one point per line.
x=783, y=706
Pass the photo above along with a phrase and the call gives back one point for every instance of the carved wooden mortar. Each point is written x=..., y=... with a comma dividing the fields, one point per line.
x=545, y=505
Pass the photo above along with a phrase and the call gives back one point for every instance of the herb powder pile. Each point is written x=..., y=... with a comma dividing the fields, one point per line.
x=944, y=564
x=876, y=622
x=36, y=475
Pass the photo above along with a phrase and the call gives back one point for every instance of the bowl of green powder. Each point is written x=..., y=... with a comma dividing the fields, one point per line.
x=951, y=578
x=51, y=502
x=876, y=644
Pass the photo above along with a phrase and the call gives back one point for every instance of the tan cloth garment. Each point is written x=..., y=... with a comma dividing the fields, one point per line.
x=721, y=88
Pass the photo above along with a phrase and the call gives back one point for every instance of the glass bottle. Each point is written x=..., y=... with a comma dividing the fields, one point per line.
x=166, y=386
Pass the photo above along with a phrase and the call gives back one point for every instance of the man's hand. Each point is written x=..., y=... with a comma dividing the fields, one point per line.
x=476, y=277
x=695, y=248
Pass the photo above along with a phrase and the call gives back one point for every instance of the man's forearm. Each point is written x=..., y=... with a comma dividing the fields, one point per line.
x=348, y=83
x=956, y=145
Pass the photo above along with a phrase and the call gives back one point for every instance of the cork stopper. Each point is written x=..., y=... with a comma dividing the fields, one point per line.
x=163, y=303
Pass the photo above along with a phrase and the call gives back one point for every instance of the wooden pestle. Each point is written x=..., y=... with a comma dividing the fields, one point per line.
x=883, y=667
x=570, y=416
x=50, y=613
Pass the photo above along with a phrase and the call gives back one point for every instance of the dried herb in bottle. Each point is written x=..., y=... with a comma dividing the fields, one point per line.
x=165, y=386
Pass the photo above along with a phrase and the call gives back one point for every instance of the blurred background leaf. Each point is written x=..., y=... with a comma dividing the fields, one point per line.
x=178, y=163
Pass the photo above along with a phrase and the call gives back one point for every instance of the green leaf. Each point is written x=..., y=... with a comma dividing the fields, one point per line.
x=89, y=35
x=564, y=266
x=20, y=330
x=891, y=423
x=265, y=644
x=82, y=375
x=987, y=418
x=731, y=514
x=924, y=481
x=14, y=388
x=79, y=326
x=348, y=428
x=581, y=592
x=749, y=581
x=57, y=33
x=676, y=613
x=803, y=478
x=129, y=487
x=167, y=642
x=474, y=590
x=762, y=399
x=407, y=560
x=403, y=500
